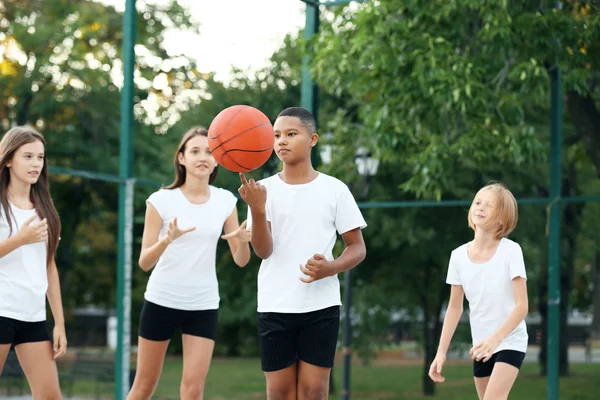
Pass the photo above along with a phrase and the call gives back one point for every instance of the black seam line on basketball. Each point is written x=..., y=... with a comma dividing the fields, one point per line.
x=242, y=108
x=237, y=163
x=231, y=119
x=248, y=151
x=239, y=133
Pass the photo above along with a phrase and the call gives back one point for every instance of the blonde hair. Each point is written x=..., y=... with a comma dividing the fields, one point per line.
x=505, y=212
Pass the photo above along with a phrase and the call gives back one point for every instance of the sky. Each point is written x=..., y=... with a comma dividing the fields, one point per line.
x=241, y=33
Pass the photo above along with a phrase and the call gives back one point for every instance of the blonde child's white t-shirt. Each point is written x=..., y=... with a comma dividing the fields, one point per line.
x=185, y=276
x=23, y=272
x=305, y=220
x=488, y=289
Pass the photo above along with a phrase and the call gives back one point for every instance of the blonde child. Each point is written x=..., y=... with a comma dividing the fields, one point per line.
x=490, y=272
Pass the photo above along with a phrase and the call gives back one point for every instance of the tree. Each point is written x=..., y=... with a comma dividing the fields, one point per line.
x=431, y=90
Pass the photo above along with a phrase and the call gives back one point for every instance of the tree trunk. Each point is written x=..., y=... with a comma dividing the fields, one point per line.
x=69, y=223
x=572, y=226
x=542, y=300
x=571, y=222
x=331, y=383
x=586, y=118
x=430, y=349
x=23, y=106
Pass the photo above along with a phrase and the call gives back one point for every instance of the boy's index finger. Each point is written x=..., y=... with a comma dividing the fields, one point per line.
x=243, y=179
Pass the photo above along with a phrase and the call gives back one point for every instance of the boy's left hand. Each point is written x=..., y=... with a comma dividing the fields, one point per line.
x=484, y=349
x=317, y=267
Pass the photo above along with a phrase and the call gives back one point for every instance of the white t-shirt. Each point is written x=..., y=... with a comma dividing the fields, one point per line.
x=488, y=288
x=305, y=220
x=185, y=276
x=23, y=273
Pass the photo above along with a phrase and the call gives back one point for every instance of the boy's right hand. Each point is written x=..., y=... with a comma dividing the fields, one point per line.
x=435, y=371
x=253, y=193
x=33, y=233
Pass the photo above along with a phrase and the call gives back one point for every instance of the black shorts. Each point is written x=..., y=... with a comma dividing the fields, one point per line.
x=310, y=337
x=15, y=332
x=484, y=369
x=159, y=323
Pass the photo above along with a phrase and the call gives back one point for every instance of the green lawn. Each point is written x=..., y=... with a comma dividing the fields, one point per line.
x=241, y=379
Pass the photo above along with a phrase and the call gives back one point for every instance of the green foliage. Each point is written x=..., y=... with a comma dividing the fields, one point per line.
x=437, y=95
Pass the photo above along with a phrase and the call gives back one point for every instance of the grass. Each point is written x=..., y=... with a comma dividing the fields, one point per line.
x=242, y=379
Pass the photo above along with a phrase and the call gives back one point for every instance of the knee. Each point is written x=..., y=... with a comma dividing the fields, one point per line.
x=48, y=394
x=280, y=393
x=54, y=396
x=494, y=396
x=142, y=389
x=314, y=391
x=192, y=389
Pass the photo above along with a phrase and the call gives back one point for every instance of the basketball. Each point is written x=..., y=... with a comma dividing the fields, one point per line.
x=241, y=138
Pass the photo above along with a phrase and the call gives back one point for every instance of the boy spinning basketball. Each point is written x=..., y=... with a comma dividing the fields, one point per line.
x=294, y=217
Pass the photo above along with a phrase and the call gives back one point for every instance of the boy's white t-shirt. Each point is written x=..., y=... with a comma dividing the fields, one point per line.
x=23, y=272
x=185, y=276
x=488, y=289
x=305, y=220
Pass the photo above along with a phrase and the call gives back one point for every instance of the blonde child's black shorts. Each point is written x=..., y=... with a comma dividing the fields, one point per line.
x=159, y=323
x=15, y=332
x=512, y=357
x=285, y=338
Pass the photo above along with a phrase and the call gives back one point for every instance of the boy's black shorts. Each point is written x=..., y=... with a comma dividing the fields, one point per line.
x=285, y=338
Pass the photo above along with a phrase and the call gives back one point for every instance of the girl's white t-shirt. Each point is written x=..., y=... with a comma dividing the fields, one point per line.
x=23, y=272
x=185, y=276
x=488, y=289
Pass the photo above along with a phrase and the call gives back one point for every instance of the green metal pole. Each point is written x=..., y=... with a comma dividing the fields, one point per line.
x=554, y=267
x=125, y=207
x=309, y=91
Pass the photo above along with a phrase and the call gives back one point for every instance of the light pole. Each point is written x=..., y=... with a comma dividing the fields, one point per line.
x=366, y=166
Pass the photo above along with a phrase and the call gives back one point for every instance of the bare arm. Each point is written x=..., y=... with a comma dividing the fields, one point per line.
x=354, y=252
x=10, y=244
x=53, y=294
x=240, y=249
x=485, y=349
x=262, y=240
x=453, y=314
x=29, y=233
x=152, y=248
x=452, y=317
x=518, y=313
x=317, y=267
x=255, y=195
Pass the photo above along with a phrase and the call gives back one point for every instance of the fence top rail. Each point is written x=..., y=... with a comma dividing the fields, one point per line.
x=369, y=204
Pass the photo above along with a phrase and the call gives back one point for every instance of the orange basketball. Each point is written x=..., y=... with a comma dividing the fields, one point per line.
x=241, y=138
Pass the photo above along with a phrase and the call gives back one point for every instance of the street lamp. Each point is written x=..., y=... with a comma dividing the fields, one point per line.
x=366, y=164
x=367, y=167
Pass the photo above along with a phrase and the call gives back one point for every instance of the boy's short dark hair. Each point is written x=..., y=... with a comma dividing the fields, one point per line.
x=305, y=117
